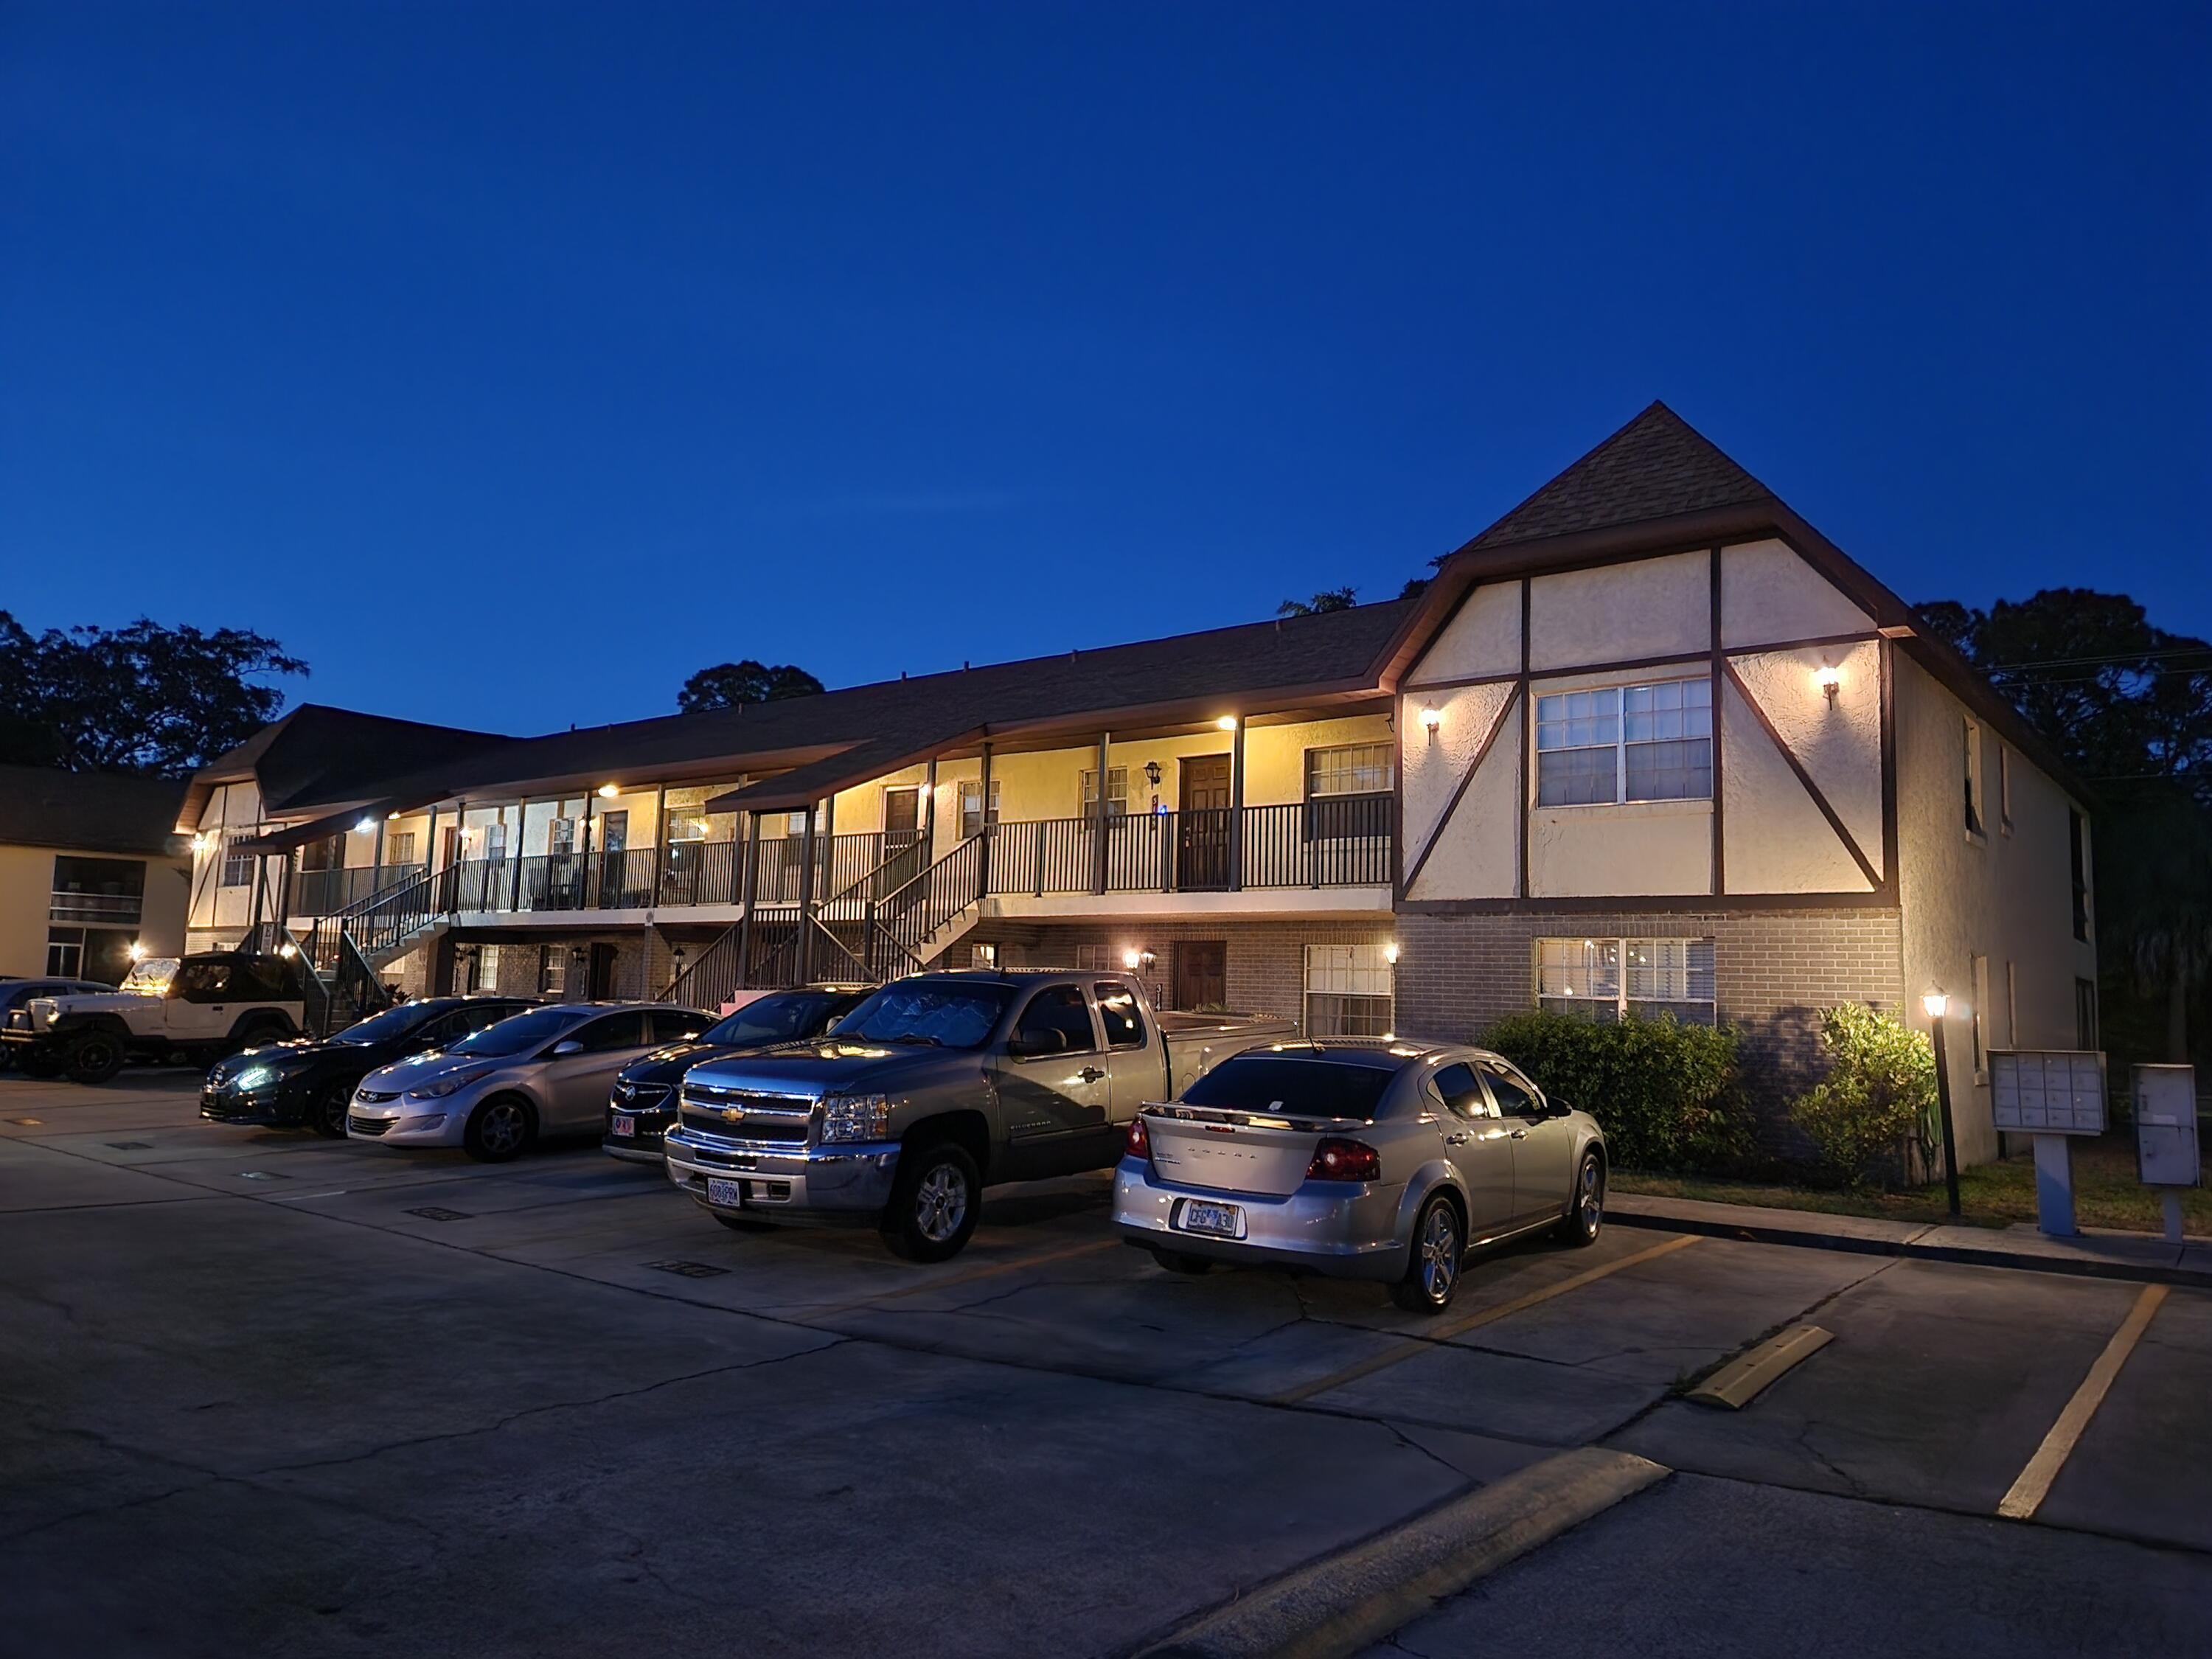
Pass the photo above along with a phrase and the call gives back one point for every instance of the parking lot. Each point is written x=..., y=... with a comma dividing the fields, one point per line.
x=268, y=1392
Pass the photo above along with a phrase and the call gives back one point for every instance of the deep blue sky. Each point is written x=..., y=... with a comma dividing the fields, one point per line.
x=509, y=363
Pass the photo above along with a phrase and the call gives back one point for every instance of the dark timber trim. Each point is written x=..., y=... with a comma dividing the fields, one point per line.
x=1720, y=784
x=1459, y=792
x=1631, y=904
x=1522, y=806
x=1886, y=658
x=1835, y=819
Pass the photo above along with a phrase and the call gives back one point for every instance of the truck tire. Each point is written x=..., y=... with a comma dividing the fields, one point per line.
x=934, y=1202
x=98, y=1056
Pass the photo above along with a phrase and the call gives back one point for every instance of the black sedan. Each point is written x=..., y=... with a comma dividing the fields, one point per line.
x=643, y=1103
x=305, y=1083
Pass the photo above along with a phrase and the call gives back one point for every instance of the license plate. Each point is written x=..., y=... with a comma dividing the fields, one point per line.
x=1219, y=1219
x=730, y=1194
x=624, y=1128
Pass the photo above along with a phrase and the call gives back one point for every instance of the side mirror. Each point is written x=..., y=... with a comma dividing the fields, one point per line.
x=567, y=1046
x=1554, y=1107
x=1028, y=1045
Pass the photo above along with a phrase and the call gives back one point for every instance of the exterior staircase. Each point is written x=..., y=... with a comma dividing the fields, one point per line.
x=344, y=950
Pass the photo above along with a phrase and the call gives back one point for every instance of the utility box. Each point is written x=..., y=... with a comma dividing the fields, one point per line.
x=2047, y=1091
x=2166, y=1126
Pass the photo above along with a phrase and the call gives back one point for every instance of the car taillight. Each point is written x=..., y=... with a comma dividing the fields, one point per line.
x=1337, y=1160
x=1137, y=1142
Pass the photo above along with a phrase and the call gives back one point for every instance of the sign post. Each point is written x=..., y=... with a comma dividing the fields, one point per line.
x=2052, y=1095
x=2166, y=1136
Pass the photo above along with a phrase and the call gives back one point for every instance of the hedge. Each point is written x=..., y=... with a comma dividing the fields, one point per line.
x=1665, y=1093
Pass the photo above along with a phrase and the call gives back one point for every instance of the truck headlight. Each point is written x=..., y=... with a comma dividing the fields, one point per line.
x=856, y=1117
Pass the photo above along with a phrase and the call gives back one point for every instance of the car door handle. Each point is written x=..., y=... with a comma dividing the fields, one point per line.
x=1090, y=1074
x=1520, y=1134
x=1459, y=1139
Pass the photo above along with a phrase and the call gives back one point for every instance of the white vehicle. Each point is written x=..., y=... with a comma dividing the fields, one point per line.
x=190, y=1013
x=495, y=1091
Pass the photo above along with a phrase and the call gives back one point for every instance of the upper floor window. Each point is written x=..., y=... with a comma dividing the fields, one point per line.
x=400, y=846
x=237, y=867
x=1117, y=792
x=1605, y=978
x=2077, y=854
x=972, y=806
x=1348, y=790
x=1622, y=743
x=1976, y=819
x=2004, y=789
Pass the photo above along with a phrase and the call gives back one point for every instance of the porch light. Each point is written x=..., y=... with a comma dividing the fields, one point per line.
x=1227, y=722
x=1391, y=952
x=1432, y=718
x=1829, y=679
x=288, y=949
x=1130, y=958
x=365, y=826
x=1152, y=773
x=1935, y=1004
x=137, y=952
x=608, y=791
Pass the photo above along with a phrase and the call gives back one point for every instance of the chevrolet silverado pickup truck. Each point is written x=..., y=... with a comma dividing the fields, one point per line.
x=190, y=1013
x=934, y=1088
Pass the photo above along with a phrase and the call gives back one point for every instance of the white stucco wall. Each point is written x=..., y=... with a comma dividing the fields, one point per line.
x=1484, y=638
x=1474, y=853
x=2006, y=894
x=1768, y=594
x=1621, y=612
x=1778, y=841
x=1661, y=849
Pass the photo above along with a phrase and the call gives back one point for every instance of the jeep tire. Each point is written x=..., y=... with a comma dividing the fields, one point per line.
x=96, y=1057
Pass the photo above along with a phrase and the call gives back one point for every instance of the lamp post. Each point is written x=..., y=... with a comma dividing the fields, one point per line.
x=1936, y=1006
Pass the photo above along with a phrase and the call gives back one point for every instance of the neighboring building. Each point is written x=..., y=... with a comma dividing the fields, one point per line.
x=91, y=865
x=1648, y=742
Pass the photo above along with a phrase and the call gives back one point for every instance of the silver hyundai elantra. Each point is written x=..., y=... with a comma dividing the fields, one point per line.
x=1361, y=1159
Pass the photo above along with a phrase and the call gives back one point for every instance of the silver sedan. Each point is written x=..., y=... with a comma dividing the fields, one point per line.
x=1362, y=1158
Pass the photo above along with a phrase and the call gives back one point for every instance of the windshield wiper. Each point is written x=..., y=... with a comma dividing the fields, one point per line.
x=911, y=1037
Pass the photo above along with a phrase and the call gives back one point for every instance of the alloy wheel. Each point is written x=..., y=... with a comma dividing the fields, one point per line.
x=1589, y=1199
x=503, y=1127
x=940, y=1203
x=1439, y=1247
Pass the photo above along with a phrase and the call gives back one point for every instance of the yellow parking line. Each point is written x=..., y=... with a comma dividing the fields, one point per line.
x=1445, y=1329
x=2033, y=1485
x=967, y=1277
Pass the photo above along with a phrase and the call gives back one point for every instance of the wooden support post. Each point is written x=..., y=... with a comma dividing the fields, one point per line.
x=748, y=891
x=1236, y=806
x=983, y=822
x=1098, y=822
x=804, y=959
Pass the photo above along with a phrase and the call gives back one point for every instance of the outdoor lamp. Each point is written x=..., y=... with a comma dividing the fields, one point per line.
x=1227, y=722
x=1935, y=1004
x=1152, y=772
x=365, y=826
x=1432, y=718
x=137, y=952
x=1391, y=952
x=1132, y=957
x=1829, y=679
x=608, y=791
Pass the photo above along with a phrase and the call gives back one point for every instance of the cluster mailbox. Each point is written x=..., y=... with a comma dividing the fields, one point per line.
x=2052, y=1094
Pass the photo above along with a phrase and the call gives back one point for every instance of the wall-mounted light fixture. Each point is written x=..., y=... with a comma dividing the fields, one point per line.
x=1829, y=679
x=608, y=791
x=1227, y=722
x=1432, y=718
x=1132, y=957
x=365, y=826
x=1152, y=772
x=1391, y=952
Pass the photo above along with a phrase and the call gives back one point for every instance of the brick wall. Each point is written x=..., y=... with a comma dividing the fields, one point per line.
x=643, y=965
x=1773, y=972
x=1263, y=962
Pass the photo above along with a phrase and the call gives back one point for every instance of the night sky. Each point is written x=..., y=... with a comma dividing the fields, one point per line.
x=509, y=363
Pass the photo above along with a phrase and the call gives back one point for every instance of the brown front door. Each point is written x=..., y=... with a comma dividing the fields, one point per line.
x=1201, y=973
x=601, y=986
x=1202, y=823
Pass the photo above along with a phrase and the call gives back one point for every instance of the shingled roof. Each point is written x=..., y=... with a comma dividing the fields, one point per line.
x=88, y=811
x=1657, y=466
x=318, y=753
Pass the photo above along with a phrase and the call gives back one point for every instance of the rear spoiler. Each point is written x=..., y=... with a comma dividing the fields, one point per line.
x=1303, y=1123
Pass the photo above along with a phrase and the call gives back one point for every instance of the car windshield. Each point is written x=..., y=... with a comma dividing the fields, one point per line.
x=384, y=1027
x=1307, y=1085
x=515, y=1036
x=777, y=1018
x=151, y=973
x=945, y=1015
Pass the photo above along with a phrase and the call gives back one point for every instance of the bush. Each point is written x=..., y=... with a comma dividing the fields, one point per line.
x=1665, y=1093
x=1878, y=1105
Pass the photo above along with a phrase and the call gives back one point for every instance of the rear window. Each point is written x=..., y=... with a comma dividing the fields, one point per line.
x=1297, y=1085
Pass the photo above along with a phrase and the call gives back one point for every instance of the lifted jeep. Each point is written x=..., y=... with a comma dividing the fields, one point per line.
x=192, y=1012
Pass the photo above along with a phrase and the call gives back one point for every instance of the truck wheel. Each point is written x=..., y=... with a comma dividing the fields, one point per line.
x=499, y=1130
x=1433, y=1274
x=327, y=1112
x=39, y=1062
x=96, y=1058
x=933, y=1203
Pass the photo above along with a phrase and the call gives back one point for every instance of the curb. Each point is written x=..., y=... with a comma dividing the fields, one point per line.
x=1346, y=1601
x=1757, y=1233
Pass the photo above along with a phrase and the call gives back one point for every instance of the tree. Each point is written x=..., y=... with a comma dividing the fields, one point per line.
x=1335, y=599
x=142, y=698
x=2128, y=705
x=730, y=683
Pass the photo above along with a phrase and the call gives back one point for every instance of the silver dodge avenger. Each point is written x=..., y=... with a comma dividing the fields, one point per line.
x=1361, y=1159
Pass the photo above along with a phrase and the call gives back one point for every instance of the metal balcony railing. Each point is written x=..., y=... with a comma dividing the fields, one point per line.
x=96, y=909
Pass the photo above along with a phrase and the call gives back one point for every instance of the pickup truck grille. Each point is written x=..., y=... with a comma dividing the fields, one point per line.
x=742, y=1114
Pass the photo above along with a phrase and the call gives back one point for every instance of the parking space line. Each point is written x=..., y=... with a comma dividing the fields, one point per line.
x=2035, y=1480
x=969, y=1277
x=1444, y=1330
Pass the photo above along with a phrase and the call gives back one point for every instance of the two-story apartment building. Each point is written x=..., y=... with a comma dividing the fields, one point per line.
x=92, y=873
x=1649, y=742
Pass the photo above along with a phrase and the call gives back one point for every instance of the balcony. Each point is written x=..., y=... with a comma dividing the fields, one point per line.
x=96, y=909
x=1343, y=842
x=327, y=892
